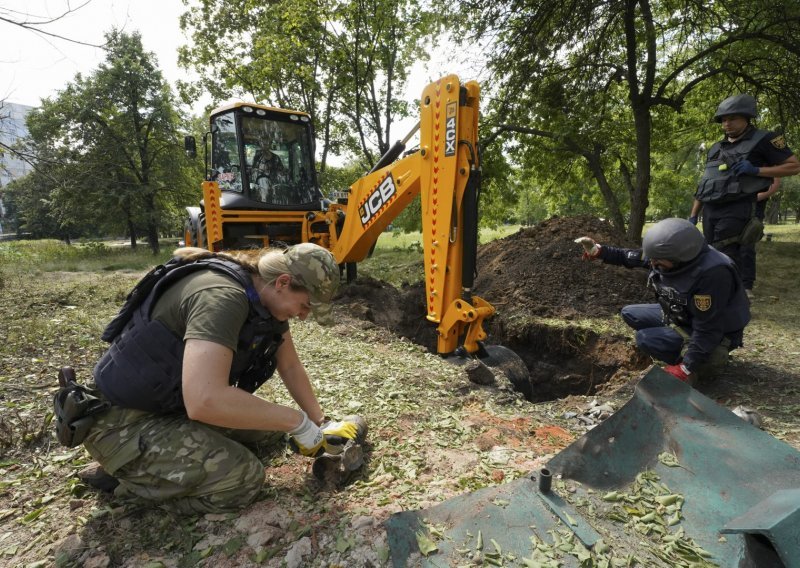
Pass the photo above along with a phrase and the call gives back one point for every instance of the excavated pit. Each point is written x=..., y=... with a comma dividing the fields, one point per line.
x=539, y=284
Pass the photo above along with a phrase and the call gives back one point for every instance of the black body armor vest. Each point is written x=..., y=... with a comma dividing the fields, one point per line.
x=720, y=186
x=143, y=367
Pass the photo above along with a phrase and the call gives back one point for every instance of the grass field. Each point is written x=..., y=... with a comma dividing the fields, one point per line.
x=397, y=257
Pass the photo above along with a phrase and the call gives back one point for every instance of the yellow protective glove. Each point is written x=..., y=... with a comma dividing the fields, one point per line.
x=337, y=434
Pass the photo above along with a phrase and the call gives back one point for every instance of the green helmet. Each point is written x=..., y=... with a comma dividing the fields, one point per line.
x=676, y=240
x=315, y=268
x=744, y=105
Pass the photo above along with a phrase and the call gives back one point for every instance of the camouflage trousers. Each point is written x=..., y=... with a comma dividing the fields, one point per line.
x=177, y=463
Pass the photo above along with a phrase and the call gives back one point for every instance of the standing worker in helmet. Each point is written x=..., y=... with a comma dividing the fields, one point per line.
x=738, y=168
x=702, y=308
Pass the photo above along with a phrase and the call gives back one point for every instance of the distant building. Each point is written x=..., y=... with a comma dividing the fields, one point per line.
x=12, y=128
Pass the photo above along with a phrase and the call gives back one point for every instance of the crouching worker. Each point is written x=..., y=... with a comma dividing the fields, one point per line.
x=193, y=342
x=702, y=308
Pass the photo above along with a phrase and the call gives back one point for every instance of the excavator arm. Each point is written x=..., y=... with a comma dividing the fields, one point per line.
x=445, y=172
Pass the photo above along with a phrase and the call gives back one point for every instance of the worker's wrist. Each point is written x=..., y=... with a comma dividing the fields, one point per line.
x=301, y=423
x=314, y=415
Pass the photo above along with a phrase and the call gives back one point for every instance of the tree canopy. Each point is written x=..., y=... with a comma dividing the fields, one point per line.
x=345, y=62
x=593, y=86
x=591, y=106
x=108, y=152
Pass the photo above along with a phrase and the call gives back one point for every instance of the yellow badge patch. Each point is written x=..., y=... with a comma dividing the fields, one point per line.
x=702, y=302
x=779, y=142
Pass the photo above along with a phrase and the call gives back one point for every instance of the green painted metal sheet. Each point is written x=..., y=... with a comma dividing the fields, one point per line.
x=509, y=514
x=777, y=519
x=726, y=467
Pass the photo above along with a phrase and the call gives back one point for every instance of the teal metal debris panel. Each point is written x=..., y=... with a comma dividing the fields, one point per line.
x=725, y=466
x=508, y=514
x=721, y=466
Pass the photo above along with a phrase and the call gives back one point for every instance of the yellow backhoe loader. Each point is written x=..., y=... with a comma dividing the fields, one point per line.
x=261, y=188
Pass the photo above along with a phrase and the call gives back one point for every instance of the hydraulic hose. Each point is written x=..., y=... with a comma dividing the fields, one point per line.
x=470, y=232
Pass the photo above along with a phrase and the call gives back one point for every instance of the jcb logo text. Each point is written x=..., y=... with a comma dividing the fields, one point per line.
x=379, y=197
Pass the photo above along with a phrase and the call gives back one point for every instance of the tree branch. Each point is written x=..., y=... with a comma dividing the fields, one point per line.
x=34, y=27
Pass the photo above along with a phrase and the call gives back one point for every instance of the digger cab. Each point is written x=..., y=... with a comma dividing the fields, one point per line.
x=263, y=158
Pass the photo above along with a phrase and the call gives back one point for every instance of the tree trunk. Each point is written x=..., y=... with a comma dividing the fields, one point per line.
x=612, y=204
x=773, y=213
x=641, y=185
x=152, y=222
x=132, y=233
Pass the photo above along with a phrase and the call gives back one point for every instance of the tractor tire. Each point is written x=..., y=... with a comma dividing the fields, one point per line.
x=195, y=228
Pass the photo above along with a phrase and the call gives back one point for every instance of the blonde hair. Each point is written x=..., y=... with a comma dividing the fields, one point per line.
x=268, y=263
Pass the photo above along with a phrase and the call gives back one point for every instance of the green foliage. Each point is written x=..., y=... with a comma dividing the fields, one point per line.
x=499, y=193
x=334, y=180
x=345, y=62
x=605, y=89
x=790, y=197
x=530, y=208
x=109, y=153
x=410, y=218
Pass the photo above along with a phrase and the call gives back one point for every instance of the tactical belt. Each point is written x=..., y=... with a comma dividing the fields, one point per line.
x=75, y=408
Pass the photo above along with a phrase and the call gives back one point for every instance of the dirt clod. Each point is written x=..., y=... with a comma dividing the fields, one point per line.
x=479, y=373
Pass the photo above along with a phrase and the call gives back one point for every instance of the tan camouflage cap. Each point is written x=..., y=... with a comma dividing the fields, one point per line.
x=315, y=268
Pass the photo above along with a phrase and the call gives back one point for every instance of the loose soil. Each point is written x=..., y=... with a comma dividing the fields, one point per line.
x=433, y=434
x=533, y=277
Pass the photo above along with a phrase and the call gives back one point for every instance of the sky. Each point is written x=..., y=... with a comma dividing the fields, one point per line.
x=34, y=66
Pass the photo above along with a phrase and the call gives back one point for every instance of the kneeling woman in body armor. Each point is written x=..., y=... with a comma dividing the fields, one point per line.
x=702, y=308
x=193, y=342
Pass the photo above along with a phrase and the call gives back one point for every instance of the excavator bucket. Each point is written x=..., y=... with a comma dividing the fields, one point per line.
x=721, y=493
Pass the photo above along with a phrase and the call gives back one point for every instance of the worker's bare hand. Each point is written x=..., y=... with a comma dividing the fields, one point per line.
x=591, y=249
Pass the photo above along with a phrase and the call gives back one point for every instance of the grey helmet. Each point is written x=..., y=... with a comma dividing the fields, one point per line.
x=676, y=240
x=744, y=105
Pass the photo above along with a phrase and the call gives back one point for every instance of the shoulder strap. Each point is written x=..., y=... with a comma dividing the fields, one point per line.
x=149, y=288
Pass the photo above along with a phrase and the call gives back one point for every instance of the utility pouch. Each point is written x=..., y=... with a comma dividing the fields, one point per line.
x=75, y=408
x=753, y=232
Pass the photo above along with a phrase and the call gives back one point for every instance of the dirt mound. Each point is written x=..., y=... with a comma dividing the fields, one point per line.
x=539, y=271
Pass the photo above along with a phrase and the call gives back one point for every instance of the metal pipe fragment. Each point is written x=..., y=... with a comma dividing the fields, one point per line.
x=545, y=480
